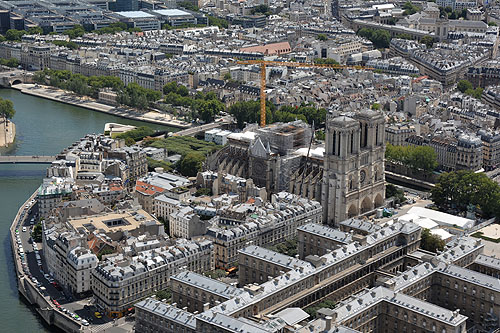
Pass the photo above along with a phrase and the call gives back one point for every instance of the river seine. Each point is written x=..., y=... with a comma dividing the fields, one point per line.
x=43, y=127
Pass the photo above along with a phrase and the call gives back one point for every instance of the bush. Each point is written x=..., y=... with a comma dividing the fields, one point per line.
x=137, y=134
x=185, y=144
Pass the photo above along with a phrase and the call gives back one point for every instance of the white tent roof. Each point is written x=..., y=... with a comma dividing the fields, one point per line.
x=441, y=233
x=442, y=218
x=426, y=223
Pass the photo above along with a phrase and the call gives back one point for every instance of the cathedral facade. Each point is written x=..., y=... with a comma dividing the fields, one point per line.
x=353, y=175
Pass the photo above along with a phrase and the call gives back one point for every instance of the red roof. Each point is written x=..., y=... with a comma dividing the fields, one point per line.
x=147, y=189
x=270, y=49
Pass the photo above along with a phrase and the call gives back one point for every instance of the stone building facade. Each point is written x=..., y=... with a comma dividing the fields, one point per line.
x=353, y=179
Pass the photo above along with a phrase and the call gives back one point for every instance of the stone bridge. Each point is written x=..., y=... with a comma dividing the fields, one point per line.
x=12, y=77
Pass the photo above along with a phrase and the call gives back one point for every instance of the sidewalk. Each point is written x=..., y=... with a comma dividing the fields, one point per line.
x=62, y=96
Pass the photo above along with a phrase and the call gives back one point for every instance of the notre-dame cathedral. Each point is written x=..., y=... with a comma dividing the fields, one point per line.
x=353, y=176
x=346, y=174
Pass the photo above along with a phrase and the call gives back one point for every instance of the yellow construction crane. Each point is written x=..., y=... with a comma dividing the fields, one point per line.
x=263, y=64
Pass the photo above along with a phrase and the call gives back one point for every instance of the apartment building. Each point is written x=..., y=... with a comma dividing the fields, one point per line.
x=197, y=293
x=154, y=183
x=258, y=265
x=318, y=239
x=120, y=281
x=491, y=149
x=486, y=265
x=360, y=227
x=264, y=225
x=185, y=223
x=134, y=158
x=68, y=260
x=51, y=192
x=398, y=133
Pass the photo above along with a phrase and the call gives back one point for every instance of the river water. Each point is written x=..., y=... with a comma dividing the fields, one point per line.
x=43, y=127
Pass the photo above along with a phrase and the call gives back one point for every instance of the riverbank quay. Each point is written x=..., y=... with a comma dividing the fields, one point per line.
x=33, y=294
x=7, y=133
x=66, y=97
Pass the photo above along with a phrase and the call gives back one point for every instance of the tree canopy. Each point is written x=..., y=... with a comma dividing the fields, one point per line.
x=393, y=191
x=467, y=88
x=379, y=38
x=322, y=37
x=418, y=158
x=463, y=85
x=460, y=189
x=428, y=41
x=325, y=61
x=430, y=242
x=249, y=112
x=410, y=8
x=191, y=164
x=14, y=35
x=7, y=108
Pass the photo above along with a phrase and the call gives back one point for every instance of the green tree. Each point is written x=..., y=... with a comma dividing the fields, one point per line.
x=325, y=61
x=375, y=106
x=14, y=35
x=191, y=164
x=207, y=110
x=227, y=76
x=462, y=188
x=35, y=31
x=188, y=5
x=476, y=93
x=322, y=37
x=424, y=158
x=153, y=164
x=246, y=112
x=393, y=191
x=410, y=8
x=418, y=158
x=7, y=109
x=219, y=22
x=37, y=232
x=320, y=135
x=428, y=41
x=129, y=142
x=430, y=242
x=464, y=85
x=262, y=9
x=165, y=294
x=39, y=77
x=76, y=31
x=11, y=62
x=379, y=38
x=404, y=36
x=492, y=24
x=203, y=191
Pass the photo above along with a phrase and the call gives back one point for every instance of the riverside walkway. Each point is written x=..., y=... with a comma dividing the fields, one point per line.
x=26, y=159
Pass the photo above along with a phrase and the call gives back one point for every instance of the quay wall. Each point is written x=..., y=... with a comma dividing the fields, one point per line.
x=31, y=293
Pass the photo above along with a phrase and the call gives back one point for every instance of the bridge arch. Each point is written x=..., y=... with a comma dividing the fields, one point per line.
x=16, y=81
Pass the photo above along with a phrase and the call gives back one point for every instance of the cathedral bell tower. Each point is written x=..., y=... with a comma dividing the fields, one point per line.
x=353, y=178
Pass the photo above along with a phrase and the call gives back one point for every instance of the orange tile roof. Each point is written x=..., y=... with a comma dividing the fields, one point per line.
x=270, y=49
x=147, y=189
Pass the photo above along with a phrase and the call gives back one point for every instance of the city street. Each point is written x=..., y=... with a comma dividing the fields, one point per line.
x=80, y=307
